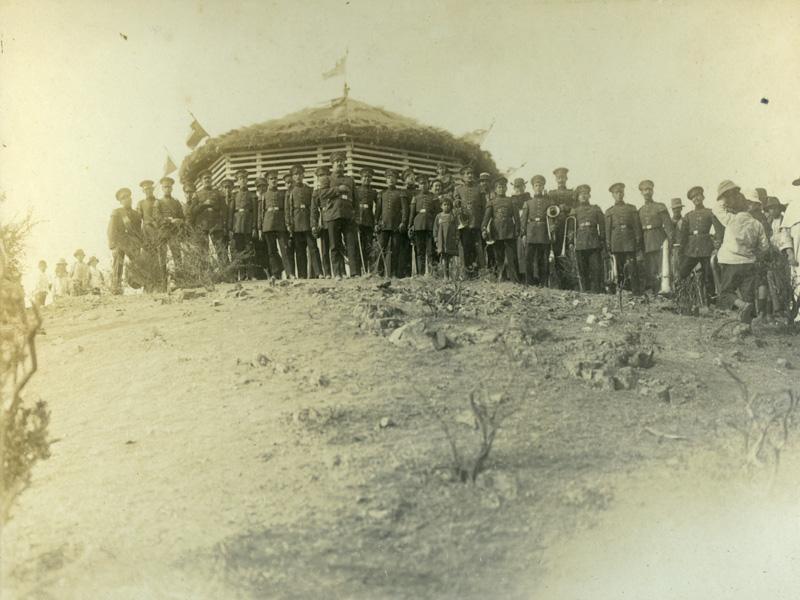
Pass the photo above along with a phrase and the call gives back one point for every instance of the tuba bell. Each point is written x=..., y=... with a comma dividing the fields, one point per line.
x=553, y=211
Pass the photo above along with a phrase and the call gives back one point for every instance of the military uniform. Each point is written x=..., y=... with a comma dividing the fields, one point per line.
x=566, y=199
x=656, y=227
x=391, y=218
x=272, y=224
x=318, y=197
x=339, y=216
x=172, y=219
x=697, y=244
x=502, y=216
x=366, y=199
x=299, y=224
x=538, y=242
x=623, y=240
x=124, y=239
x=469, y=204
x=208, y=214
x=424, y=207
x=590, y=240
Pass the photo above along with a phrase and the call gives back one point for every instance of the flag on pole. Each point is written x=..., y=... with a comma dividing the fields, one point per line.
x=196, y=133
x=340, y=68
x=477, y=136
x=169, y=166
x=511, y=170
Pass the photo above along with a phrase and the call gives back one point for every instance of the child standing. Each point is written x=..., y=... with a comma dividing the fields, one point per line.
x=95, y=276
x=43, y=285
x=79, y=274
x=61, y=285
x=445, y=233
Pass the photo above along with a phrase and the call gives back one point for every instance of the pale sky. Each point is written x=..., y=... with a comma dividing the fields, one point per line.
x=616, y=91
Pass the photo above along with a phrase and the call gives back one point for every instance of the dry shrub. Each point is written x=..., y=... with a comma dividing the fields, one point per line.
x=23, y=429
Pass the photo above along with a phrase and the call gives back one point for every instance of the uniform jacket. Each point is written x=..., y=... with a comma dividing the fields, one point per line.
x=208, y=211
x=125, y=230
x=342, y=205
x=520, y=200
x=623, y=230
x=656, y=225
x=445, y=233
x=590, y=227
x=298, y=208
x=470, y=202
x=695, y=232
x=150, y=212
x=424, y=207
x=319, y=198
x=534, y=219
x=170, y=208
x=504, y=217
x=242, y=212
x=366, y=198
x=567, y=199
x=272, y=211
x=392, y=210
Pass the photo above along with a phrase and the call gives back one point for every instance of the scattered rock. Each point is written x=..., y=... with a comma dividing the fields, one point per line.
x=386, y=422
x=440, y=341
x=736, y=354
x=261, y=360
x=414, y=334
x=190, y=294
x=591, y=319
x=245, y=381
x=693, y=355
x=466, y=417
x=662, y=393
x=642, y=359
x=504, y=485
x=379, y=514
x=783, y=363
x=323, y=381
x=741, y=330
x=216, y=303
x=625, y=378
x=80, y=348
x=281, y=368
x=333, y=460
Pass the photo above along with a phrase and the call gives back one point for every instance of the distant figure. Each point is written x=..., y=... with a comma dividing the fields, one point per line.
x=61, y=285
x=501, y=222
x=656, y=227
x=124, y=237
x=445, y=234
x=43, y=285
x=96, y=281
x=79, y=274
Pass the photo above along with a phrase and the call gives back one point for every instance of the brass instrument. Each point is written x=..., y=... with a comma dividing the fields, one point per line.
x=566, y=234
x=553, y=212
x=569, y=252
x=666, y=273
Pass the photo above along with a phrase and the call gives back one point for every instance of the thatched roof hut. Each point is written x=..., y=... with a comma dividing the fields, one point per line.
x=369, y=135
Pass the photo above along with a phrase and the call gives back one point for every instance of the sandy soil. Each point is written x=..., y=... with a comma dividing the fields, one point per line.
x=272, y=441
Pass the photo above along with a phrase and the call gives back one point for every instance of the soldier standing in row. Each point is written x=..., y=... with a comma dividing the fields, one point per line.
x=469, y=204
x=208, y=214
x=424, y=206
x=565, y=198
x=677, y=224
x=485, y=185
x=624, y=237
x=272, y=224
x=124, y=237
x=391, y=217
x=696, y=242
x=366, y=199
x=590, y=240
x=656, y=227
x=536, y=234
x=172, y=220
x=242, y=219
x=152, y=244
x=298, y=222
x=520, y=197
x=502, y=216
x=444, y=177
x=319, y=228
x=339, y=213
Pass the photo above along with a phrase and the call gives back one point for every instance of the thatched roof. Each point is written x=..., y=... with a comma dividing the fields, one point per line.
x=338, y=120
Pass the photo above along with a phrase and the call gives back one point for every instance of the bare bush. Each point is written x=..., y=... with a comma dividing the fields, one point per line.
x=488, y=414
x=23, y=429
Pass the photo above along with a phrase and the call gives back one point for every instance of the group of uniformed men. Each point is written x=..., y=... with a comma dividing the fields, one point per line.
x=518, y=236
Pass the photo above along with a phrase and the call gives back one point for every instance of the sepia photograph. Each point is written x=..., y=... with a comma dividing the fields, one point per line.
x=372, y=300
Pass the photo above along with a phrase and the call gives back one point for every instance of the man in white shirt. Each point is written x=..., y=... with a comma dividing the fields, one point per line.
x=744, y=239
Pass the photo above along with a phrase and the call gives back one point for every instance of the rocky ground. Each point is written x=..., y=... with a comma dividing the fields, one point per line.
x=299, y=440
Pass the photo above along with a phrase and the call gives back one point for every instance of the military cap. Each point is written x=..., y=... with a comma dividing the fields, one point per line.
x=617, y=187
x=297, y=168
x=408, y=171
x=538, y=179
x=561, y=171
x=466, y=168
x=241, y=172
x=61, y=261
x=694, y=191
x=796, y=181
x=390, y=173
x=228, y=183
x=646, y=183
x=583, y=188
x=79, y=252
x=485, y=176
x=366, y=171
x=677, y=202
x=519, y=181
x=725, y=187
x=322, y=170
x=501, y=179
x=338, y=155
x=123, y=192
x=93, y=260
x=270, y=173
x=146, y=183
x=773, y=201
x=261, y=182
x=167, y=181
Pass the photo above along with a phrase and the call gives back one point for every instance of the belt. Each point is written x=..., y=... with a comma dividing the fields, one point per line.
x=622, y=226
x=241, y=210
x=302, y=206
x=364, y=205
x=648, y=226
x=537, y=220
x=272, y=208
x=423, y=211
x=587, y=225
x=696, y=232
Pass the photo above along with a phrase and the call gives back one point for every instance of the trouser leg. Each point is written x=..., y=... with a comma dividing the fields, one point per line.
x=300, y=252
x=325, y=252
x=469, y=246
x=282, y=238
x=351, y=244
x=420, y=248
x=117, y=265
x=336, y=247
x=510, y=252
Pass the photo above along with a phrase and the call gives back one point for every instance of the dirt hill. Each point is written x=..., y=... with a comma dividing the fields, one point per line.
x=297, y=441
